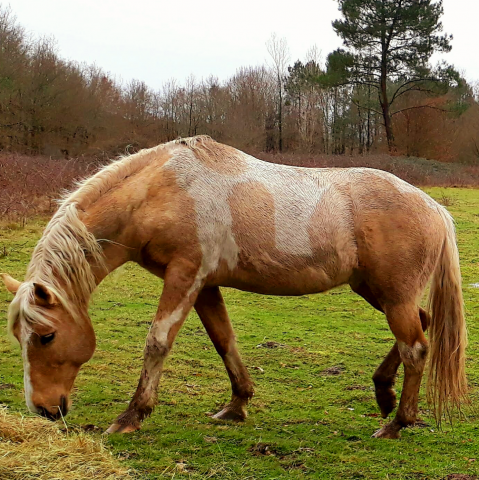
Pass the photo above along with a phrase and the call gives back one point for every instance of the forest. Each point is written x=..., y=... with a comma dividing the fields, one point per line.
x=61, y=108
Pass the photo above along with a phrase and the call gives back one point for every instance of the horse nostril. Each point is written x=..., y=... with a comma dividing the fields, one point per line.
x=63, y=409
x=40, y=410
x=45, y=413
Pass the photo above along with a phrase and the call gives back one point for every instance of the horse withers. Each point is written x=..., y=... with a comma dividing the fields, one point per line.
x=202, y=215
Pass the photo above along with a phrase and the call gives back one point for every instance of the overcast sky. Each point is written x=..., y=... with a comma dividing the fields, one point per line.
x=157, y=40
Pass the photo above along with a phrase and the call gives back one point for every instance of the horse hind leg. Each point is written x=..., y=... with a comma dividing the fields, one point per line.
x=212, y=312
x=405, y=323
x=384, y=377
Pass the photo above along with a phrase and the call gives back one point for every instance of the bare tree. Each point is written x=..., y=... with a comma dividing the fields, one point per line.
x=279, y=52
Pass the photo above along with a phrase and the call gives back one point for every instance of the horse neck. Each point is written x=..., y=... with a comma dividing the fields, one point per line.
x=117, y=247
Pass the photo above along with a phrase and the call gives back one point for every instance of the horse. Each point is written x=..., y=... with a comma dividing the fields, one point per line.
x=202, y=215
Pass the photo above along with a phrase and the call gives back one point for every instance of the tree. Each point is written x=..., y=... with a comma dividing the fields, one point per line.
x=278, y=49
x=389, y=44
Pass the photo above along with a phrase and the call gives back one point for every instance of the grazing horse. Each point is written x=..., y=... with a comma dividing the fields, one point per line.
x=201, y=215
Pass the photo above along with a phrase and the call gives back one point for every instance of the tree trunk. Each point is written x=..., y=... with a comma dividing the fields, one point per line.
x=280, y=115
x=385, y=109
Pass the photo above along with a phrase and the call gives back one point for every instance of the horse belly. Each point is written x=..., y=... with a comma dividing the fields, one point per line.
x=273, y=279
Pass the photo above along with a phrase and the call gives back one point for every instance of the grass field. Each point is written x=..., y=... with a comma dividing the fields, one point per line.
x=307, y=419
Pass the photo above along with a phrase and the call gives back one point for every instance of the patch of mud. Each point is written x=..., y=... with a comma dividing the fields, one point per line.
x=6, y=386
x=356, y=387
x=263, y=449
x=460, y=476
x=90, y=428
x=270, y=345
x=333, y=371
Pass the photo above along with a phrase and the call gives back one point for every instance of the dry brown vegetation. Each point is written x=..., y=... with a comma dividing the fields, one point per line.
x=36, y=448
x=417, y=171
x=30, y=185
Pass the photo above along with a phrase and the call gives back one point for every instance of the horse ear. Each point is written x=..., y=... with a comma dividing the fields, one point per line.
x=11, y=284
x=43, y=296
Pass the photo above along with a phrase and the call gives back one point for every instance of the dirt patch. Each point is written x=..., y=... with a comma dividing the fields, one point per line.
x=263, y=449
x=294, y=465
x=356, y=387
x=270, y=345
x=89, y=427
x=333, y=371
x=460, y=476
x=6, y=386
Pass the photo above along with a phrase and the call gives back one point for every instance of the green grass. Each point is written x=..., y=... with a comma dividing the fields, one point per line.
x=311, y=424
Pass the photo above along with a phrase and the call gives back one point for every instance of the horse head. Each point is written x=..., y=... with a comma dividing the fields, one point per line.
x=55, y=343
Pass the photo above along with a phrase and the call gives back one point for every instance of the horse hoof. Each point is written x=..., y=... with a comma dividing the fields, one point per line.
x=230, y=415
x=117, y=428
x=387, y=432
x=386, y=400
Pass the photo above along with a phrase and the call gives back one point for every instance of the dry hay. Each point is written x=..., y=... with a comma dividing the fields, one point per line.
x=34, y=448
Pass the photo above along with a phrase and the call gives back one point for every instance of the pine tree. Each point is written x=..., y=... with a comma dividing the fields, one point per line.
x=388, y=47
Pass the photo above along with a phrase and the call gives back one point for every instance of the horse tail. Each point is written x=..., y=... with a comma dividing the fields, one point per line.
x=447, y=384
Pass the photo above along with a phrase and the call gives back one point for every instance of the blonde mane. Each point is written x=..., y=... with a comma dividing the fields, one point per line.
x=62, y=259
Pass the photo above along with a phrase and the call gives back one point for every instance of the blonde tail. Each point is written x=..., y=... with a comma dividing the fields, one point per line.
x=447, y=384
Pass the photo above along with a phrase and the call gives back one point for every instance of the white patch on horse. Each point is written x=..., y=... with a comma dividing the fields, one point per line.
x=161, y=329
x=412, y=355
x=295, y=194
x=294, y=208
x=27, y=384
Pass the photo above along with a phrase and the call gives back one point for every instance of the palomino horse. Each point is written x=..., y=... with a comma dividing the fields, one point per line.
x=202, y=215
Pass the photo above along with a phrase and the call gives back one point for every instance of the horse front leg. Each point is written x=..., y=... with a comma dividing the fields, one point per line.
x=180, y=291
x=212, y=312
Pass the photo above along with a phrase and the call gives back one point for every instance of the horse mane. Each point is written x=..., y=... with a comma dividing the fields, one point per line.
x=208, y=150
x=62, y=259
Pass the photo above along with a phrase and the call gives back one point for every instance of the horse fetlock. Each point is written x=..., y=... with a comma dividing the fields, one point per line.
x=407, y=415
x=385, y=393
x=130, y=420
x=243, y=391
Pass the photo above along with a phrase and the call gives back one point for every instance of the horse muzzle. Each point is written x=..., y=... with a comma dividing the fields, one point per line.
x=55, y=412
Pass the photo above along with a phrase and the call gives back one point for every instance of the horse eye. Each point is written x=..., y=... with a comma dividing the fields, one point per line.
x=47, y=338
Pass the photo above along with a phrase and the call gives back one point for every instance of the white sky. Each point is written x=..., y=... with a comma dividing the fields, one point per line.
x=157, y=40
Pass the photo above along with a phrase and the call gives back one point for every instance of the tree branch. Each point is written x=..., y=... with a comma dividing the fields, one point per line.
x=416, y=107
